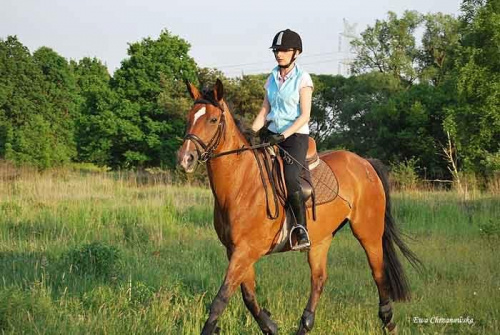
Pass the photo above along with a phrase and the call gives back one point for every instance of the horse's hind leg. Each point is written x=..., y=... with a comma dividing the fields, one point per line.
x=370, y=239
x=317, y=262
x=375, y=255
x=262, y=316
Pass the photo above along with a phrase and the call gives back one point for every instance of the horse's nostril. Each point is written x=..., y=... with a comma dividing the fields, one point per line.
x=190, y=158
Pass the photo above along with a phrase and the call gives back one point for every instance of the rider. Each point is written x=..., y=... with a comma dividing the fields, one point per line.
x=284, y=118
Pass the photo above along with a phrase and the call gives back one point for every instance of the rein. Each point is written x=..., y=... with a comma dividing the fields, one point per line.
x=206, y=153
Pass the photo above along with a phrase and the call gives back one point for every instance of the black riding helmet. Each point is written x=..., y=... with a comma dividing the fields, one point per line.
x=287, y=39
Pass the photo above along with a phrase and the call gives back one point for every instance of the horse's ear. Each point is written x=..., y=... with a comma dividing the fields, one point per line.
x=193, y=91
x=218, y=90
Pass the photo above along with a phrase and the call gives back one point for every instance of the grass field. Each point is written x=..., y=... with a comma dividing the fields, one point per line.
x=107, y=254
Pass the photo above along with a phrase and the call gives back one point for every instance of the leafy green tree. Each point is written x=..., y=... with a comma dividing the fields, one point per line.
x=243, y=94
x=96, y=122
x=35, y=106
x=362, y=104
x=207, y=77
x=440, y=43
x=327, y=106
x=246, y=94
x=148, y=131
x=372, y=115
x=410, y=125
x=389, y=47
x=59, y=87
x=474, y=122
x=21, y=91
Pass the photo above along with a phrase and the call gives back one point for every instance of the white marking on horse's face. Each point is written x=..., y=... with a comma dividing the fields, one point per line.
x=198, y=114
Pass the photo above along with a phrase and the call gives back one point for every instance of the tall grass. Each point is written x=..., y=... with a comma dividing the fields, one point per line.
x=103, y=253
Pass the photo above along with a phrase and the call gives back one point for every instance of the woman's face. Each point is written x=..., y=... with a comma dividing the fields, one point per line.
x=283, y=57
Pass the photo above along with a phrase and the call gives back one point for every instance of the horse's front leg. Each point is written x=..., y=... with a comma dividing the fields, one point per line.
x=239, y=264
x=262, y=316
x=317, y=262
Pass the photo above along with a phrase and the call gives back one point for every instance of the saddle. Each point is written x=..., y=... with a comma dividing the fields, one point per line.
x=318, y=182
x=312, y=161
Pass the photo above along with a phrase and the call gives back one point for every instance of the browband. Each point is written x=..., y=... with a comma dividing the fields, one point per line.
x=206, y=101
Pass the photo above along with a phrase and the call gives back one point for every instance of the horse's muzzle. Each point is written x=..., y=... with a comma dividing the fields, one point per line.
x=187, y=159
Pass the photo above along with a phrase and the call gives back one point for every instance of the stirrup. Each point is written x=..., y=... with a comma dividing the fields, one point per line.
x=299, y=247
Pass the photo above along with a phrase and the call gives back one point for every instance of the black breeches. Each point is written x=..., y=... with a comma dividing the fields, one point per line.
x=296, y=145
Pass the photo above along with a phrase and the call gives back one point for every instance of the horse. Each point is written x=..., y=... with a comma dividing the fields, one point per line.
x=241, y=223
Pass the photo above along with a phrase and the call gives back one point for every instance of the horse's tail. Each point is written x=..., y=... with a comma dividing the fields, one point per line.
x=397, y=281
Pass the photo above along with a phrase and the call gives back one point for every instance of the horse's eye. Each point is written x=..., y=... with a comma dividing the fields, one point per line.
x=213, y=120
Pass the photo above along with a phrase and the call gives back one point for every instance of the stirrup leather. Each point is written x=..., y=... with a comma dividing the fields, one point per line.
x=299, y=246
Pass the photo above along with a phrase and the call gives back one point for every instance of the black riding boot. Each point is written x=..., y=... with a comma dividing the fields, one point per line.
x=299, y=210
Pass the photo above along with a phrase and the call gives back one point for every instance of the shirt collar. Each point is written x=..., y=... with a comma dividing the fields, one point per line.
x=287, y=76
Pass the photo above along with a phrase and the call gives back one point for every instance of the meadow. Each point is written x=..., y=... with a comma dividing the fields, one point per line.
x=120, y=253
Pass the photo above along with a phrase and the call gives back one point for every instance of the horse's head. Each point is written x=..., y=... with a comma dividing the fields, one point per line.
x=205, y=126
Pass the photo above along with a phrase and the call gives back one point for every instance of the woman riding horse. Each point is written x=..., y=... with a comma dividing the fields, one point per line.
x=286, y=108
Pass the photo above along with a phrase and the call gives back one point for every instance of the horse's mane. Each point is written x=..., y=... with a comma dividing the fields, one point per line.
x=244, y=129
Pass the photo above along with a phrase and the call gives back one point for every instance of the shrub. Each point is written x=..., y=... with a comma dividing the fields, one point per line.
x=490, y=229
x=96, y=259
x=404, y=174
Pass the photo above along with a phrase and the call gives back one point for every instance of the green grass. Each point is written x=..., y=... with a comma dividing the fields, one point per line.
x=95, y=254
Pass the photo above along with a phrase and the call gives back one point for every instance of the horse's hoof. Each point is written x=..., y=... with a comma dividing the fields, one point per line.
x=301, y=331
x=268, y=326
x=391, y=329
x=210, y=330
x=272, y=329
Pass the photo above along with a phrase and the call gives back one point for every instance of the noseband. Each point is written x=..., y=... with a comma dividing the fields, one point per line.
x=206, y=151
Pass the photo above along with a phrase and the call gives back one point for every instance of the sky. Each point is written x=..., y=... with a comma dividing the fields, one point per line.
x=233, y=36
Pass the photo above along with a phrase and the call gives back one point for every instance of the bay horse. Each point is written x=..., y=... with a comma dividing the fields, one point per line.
x=248, y=234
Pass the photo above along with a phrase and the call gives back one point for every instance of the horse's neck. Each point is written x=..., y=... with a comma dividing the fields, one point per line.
x=228, y=173
x=232, y=138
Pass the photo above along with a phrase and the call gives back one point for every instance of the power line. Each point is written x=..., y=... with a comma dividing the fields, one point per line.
x=262, y=69
x=263, y=62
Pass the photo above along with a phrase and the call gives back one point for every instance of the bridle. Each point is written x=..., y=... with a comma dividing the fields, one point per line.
x=206, y=151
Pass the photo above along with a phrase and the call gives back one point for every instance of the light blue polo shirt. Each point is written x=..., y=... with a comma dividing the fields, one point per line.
x=283, y=95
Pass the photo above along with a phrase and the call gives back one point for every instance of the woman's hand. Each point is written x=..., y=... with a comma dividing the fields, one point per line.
x=276, y=138
x=264, y=134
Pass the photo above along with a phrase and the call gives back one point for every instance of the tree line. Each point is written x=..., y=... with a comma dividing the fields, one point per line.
x=434, y=99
